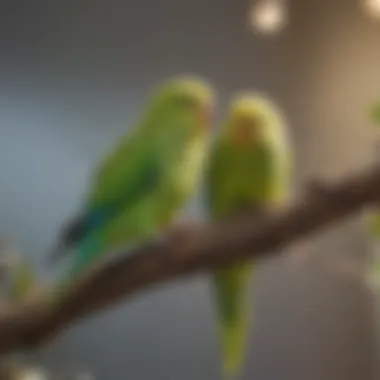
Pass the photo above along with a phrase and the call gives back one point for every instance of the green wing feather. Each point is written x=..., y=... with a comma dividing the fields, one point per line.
x=126, y=174
x=123, y=185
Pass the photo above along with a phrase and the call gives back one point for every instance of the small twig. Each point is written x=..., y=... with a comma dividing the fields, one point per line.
x=204, y=249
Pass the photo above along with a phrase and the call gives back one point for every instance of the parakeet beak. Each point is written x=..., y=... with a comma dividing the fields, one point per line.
x=245, y=133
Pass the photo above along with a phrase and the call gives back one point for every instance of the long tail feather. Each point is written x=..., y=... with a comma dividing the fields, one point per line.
x=231, y=286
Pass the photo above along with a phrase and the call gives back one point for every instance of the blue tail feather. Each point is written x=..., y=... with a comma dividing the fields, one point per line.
x=86, y=254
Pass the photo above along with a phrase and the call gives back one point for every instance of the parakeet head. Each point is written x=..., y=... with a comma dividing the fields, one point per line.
x=252, y=118
x=184, y=102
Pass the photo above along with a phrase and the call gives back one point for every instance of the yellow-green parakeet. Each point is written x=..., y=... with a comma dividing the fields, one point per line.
x=249, y=169
x=139, y=187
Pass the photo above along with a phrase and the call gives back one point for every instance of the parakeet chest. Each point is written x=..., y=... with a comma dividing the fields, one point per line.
x=246, y=176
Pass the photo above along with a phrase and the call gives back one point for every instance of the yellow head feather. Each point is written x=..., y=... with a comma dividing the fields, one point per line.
x=188, y=87
x=256, y=112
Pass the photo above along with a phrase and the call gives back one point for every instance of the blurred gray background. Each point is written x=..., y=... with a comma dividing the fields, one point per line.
x=74, y=74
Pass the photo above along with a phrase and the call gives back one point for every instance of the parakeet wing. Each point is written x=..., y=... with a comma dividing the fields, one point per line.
x=268, y=185
x=126, y=175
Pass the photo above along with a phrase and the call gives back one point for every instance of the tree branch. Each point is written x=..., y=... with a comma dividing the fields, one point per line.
x=199, y=249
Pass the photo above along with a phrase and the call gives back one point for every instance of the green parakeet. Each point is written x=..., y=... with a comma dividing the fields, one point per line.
x=139, y=187
x=249, y=168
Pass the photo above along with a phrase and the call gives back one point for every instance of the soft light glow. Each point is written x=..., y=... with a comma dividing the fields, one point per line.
x=268, y=16
x=372, y=7
x=33, y=374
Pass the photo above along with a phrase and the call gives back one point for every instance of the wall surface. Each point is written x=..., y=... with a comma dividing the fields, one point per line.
x=74, y=74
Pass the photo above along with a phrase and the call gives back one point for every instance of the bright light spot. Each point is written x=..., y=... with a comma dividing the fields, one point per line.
x=268, y=16
x=372, y=7
x=33, y=374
